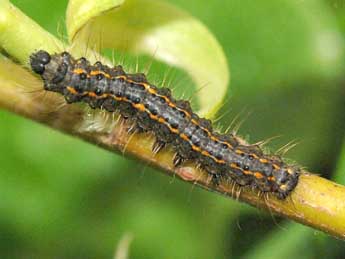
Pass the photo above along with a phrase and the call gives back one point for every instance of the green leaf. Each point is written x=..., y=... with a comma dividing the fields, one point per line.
x=288, y=242
x=159, y=29
x=339, y=175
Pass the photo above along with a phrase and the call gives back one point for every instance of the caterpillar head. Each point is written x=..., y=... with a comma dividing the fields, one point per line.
x=52, y=68
x=39, y=60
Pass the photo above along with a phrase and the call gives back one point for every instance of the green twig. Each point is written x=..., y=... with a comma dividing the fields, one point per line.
x=316, y=202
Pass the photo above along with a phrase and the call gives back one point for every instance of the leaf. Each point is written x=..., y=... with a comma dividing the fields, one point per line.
x=159, y=29
x=288, y=242
x=339, y=175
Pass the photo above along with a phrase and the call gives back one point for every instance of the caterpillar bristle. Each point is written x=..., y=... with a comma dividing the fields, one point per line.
x=157, y=146
x=147, y=108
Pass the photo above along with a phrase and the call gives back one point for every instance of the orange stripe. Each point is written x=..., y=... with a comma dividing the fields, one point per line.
x=142, y=108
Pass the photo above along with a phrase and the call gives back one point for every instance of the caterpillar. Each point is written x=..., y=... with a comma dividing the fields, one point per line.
x=172, y=121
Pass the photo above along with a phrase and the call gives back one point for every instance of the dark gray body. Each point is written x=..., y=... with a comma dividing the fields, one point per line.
x=220, y=155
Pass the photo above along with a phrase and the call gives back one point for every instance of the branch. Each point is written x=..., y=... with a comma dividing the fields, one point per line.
x=315, y=202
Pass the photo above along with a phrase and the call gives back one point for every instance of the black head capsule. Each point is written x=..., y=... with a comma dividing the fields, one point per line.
x=38, y=60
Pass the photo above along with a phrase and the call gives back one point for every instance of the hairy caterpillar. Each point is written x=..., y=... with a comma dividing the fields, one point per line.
x=172, y=121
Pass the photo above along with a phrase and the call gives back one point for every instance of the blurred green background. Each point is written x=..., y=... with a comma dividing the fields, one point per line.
x=62, y=198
